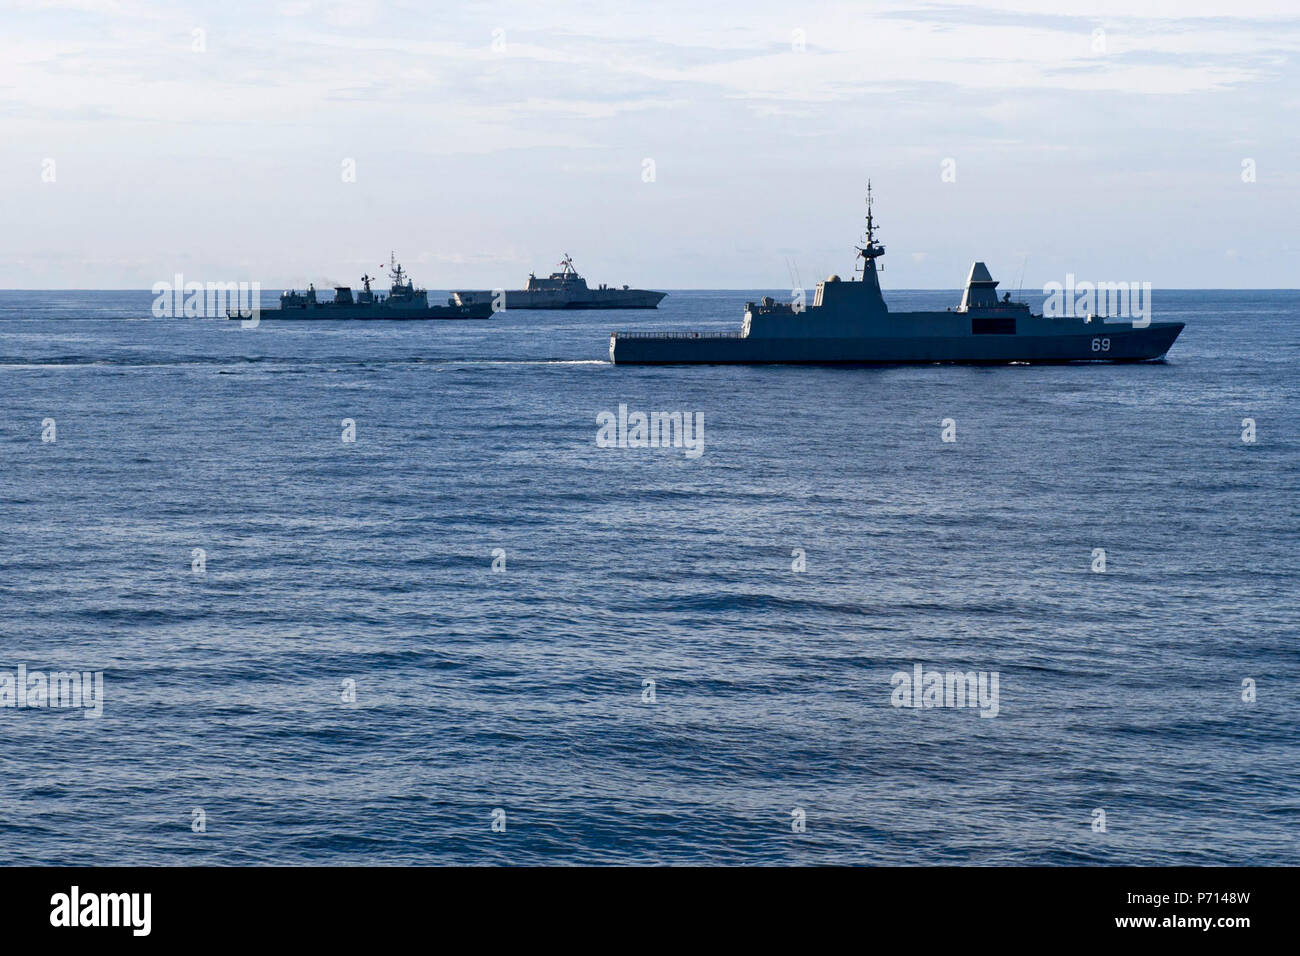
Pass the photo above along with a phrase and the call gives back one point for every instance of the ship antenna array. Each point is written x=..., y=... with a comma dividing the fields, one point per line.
x=872, y=250
x=394, y=269
x=871, y=228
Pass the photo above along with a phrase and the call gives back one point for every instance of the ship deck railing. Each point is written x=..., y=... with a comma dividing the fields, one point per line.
x=678, y=335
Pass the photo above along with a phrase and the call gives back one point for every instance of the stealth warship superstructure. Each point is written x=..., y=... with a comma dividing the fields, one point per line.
x=563, y=290
x=849, y=323
x=403, y=301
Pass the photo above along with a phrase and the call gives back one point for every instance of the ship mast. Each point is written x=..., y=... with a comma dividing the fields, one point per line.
x=872, y=250
x=395, y=270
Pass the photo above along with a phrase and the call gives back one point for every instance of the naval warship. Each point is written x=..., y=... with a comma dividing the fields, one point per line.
x=564, y=290
x=849, y=323
x=403, y=301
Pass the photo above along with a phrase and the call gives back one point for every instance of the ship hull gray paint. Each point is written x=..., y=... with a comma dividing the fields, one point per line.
x=561, y=290
x=582, y=299
x=404, y=302
x=848, y=323
x=325, y=312
x=1126, y=344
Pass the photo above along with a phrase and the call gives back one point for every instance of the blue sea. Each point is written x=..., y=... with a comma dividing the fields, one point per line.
x=644, y=678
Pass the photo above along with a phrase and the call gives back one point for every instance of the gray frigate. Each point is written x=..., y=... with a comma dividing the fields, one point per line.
x=562, y=290
x=403, y=301
x=849, y=323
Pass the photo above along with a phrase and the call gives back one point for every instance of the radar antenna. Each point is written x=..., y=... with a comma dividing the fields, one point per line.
x=872, y=250
x=395, y=270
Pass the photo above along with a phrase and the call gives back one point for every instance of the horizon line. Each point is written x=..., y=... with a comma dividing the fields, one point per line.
x=957, y=288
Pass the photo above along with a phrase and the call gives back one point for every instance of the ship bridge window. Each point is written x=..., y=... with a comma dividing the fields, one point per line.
x=999, y=326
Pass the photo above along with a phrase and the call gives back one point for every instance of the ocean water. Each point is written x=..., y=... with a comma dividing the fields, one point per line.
x=370, y=564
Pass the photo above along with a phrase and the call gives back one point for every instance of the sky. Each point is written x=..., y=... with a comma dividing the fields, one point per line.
x=664, y=145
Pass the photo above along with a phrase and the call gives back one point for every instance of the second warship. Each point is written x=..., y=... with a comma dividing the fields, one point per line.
x=403, y=301
x=562, y=290
x=849, y=323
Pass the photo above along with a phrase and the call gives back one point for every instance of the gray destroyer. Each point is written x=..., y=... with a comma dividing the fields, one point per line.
x=562, y=290
x=403, y=301
x=849, y=323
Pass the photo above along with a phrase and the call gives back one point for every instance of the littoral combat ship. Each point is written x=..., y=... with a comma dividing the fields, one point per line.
x=404, y=301
x=849, y=323
x=563, y=290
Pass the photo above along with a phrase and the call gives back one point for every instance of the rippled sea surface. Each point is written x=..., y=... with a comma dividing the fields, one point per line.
x=525, y=690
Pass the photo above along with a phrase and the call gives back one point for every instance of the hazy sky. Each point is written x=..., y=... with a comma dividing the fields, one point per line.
x=1103, y=138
